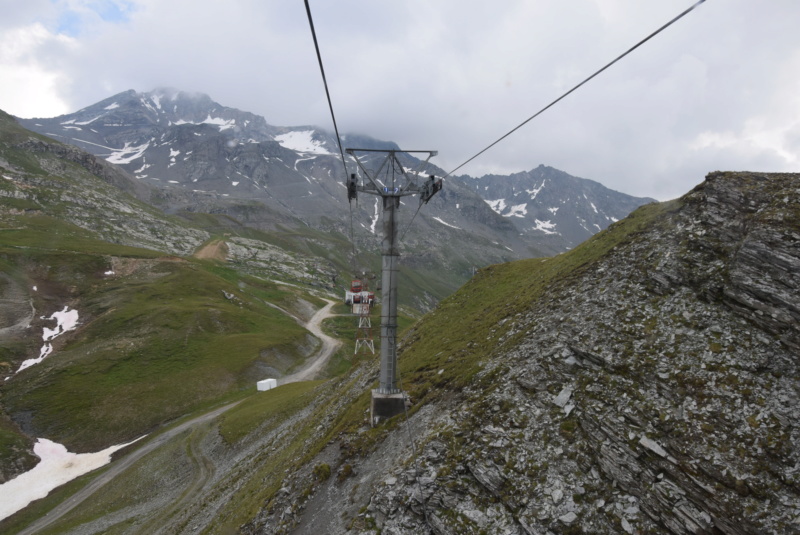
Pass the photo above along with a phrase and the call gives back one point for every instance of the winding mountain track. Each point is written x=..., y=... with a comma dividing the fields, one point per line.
x=329, y=345
x=216, y=250
x=204, y=470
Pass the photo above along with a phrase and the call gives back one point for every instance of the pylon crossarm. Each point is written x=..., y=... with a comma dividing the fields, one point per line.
x=375, y=187
x=423, y=164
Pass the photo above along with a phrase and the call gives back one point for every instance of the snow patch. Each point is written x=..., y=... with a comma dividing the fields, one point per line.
x=95, y=144
x=545, y=226
x=84, y=123
x=497, y=205
x=301, y=141
x=113, y=106
x=43, y=353
x=142, y=168
x=219, y=121
x=223, y=124
x=535, y=191
x=553, y=210
x=518, y=210
x=66, y=320
x=446, y=224
x=128, y=153
x=57, y=466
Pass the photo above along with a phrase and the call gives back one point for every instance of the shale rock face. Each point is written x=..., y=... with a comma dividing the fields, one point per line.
x=654, y=390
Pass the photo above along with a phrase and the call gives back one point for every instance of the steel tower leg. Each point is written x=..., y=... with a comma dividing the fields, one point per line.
x=388, y=400
x=389, y=257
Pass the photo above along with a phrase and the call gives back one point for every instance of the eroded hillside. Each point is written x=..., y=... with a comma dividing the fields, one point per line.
x=645, y=382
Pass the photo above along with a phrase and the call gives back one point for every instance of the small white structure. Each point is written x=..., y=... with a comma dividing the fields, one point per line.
x=361, y=309
x=365, y=297
x=267, y=384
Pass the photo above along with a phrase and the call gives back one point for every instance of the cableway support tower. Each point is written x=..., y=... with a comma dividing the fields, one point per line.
x=388, y=400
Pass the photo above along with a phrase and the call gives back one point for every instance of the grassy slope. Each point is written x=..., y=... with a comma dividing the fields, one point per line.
x=468, y=326
x=155, y=341
x=152, y=344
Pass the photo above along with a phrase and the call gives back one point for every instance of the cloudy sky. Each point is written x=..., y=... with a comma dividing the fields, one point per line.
x=718, y=90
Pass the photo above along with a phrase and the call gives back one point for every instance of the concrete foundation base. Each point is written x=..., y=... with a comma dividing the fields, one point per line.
x=384, y=406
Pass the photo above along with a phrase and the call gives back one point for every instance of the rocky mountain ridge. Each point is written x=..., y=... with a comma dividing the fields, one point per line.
x=546, y=202
x=188, y=144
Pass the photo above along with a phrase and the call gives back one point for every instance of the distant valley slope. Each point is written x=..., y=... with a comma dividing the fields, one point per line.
x=154, y=332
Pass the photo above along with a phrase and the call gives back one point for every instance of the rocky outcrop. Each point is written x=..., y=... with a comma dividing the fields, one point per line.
x=746, y=230
x=63, y=181
x=653, y=391
x=95, y=166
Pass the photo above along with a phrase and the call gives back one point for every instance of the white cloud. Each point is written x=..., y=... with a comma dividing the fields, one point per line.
x=708, y=93
x=31, y=82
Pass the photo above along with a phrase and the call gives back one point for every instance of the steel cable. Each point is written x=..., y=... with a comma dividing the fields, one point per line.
x=526, y=121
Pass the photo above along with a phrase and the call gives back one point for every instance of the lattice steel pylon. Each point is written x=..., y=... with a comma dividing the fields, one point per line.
x=364, y=340
x=388, y=400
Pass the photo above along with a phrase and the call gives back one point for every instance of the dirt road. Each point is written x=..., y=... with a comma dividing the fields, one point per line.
x=216, y=250
x=117, y=467
x=329, y=345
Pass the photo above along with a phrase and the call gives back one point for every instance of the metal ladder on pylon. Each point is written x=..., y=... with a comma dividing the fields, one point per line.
x=364, y=340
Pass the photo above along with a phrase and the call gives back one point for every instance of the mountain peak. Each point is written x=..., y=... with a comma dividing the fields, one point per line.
x=182, y=140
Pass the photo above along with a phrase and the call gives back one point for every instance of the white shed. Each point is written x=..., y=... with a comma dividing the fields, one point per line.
x=267, y=384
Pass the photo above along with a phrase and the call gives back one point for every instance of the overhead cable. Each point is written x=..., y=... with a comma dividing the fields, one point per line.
x=325, y=82
x=335, y=127
x=526, y=121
